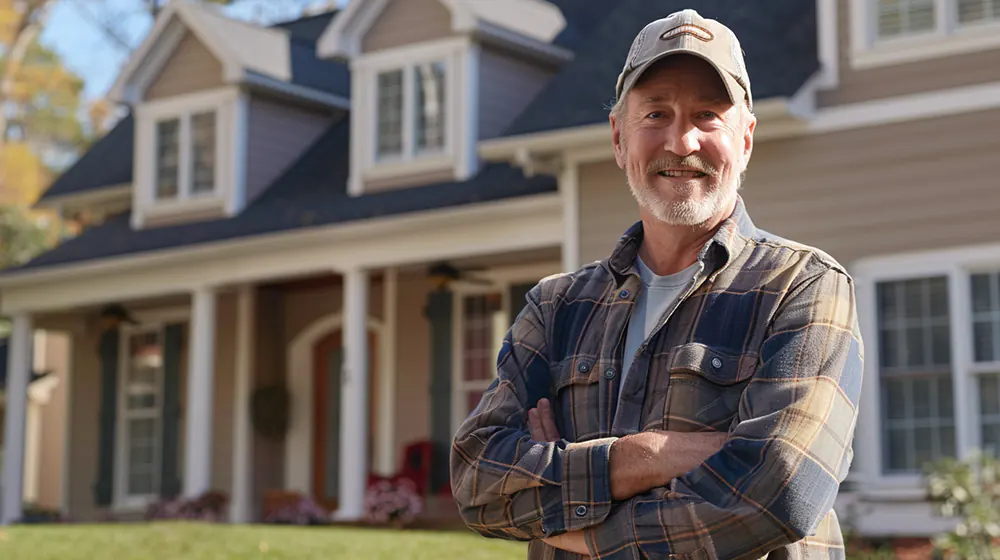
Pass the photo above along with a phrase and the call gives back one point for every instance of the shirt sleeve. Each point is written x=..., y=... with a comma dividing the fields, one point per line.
x=507, y=485
x=775, y=480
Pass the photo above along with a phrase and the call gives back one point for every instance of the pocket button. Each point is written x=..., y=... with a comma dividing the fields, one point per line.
x=716, y=363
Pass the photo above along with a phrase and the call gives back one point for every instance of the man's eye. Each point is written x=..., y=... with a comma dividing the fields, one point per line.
x=708, y=115
x=654, y=115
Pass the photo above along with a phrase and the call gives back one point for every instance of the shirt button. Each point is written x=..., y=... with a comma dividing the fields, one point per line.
x=581, y=511
x=584, y=367
x=623, y=294
x=609, y=373
x=716, y=363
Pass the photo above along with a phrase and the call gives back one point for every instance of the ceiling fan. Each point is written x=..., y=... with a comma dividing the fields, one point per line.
x=445, y=273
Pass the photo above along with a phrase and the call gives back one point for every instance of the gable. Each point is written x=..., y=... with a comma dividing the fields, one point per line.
x=405, y=22
x=191, y=67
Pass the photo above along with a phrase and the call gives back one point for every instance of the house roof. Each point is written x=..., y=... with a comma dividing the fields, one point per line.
x=312, y=193
x=778, y=38
x=106, y=163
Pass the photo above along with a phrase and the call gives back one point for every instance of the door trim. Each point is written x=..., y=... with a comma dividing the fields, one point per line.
x=299, y=370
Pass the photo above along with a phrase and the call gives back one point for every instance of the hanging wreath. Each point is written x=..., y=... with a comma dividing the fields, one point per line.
x=270, y=410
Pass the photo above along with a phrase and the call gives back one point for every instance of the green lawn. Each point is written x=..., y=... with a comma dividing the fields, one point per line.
x=162, y=541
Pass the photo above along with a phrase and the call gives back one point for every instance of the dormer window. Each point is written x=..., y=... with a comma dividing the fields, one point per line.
x=898, y=31
x=185, y=156
x=411, y=112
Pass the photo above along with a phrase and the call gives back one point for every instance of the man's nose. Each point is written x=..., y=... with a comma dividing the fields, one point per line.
x=682, y=139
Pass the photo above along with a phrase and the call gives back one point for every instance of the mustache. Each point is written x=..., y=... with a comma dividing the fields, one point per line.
x=692, y=161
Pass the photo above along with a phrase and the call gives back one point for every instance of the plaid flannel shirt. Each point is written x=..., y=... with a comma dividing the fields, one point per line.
x=765, y=346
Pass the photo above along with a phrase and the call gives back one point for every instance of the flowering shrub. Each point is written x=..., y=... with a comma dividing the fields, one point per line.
x=392, y=501
x=210, y=506
x=296, y=510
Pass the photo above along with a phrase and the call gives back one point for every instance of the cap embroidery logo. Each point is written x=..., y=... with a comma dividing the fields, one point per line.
x=699, y=33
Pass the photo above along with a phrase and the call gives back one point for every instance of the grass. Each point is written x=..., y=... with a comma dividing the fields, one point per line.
x=192, y=541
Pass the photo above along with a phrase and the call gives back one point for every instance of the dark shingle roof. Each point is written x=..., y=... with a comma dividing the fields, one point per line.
x=778, y=38
x=312, y=72
x=308, y=28
x=107, y=162
x=311, y=194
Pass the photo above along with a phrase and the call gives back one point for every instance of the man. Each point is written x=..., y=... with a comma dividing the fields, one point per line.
x=693, y=395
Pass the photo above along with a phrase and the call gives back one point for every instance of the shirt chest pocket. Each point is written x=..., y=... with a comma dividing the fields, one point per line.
x=704, y=388
x=576, y=393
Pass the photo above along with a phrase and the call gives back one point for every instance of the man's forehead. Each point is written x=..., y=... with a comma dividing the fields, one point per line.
x=682, y=72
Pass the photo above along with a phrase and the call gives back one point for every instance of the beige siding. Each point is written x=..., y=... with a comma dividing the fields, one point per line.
x=191, y=68
x=607, y=209
x=278, y=135
x=412, y=361
x=506, y=85
x=269, y=369
x=222, y=397
x=906, y=187
x=404, y=22
x=901, y=79
x=85, y=389
x=57, y=359
x=854, y=194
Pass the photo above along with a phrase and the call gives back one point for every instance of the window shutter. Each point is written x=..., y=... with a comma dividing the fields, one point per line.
x=108, y=354
x=518, y=295
x=170, y=482
x=439, y=314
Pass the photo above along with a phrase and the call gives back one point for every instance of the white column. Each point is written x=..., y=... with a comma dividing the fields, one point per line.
x=385, y=450
x=569, y=188
x=16, y=400
x=354, y=397
x=242, y=440
x=201, y=377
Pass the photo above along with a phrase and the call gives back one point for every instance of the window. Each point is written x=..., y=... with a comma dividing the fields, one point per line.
x=915, y=372
x=187, y=141
x=140, y=412
x=900, y=17
x=411, y=111
x=896, y=31
x=483, y=323
x=986, y=355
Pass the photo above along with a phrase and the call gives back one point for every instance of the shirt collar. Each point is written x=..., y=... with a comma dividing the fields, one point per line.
x=730, y=238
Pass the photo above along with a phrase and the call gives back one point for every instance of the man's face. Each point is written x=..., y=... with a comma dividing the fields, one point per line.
x=682, y=143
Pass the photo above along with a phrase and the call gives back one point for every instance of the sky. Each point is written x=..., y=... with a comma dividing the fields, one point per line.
x=86, y=51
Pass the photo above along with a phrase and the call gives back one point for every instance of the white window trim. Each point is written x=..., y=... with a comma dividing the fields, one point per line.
x=123, y=501
x=957, y=265
x=501, y=280
x=948, y=38
x=230, y=107
x=461, y=58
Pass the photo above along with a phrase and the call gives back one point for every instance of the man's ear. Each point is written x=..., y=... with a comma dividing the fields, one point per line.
x=616, y=140
x=748, y=136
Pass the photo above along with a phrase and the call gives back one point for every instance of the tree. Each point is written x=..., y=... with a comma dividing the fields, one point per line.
x=21, y=237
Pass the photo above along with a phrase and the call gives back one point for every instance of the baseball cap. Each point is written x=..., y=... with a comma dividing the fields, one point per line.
x=687, y=32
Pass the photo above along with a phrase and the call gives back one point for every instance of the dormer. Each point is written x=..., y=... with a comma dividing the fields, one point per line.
x=430, y=78
x=219, y=112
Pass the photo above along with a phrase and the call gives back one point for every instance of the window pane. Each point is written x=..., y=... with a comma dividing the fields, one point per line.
x=167, y=158
x=901, y=17
x=140, y=483
x=989, y=395
x=946, y=399
x=203, y=158
x=390, y=113
x=941, y=346
x=481, y=338
x=972, y=11
x=981, y=298
x=473, y=400
x=922, y=398
x=889, y=348
x=915, y=347
x=982, y=336
x=897, y=450
x=429, y=85
x=913, y=299
x=939, y=298
x=946, y=438
x=924, y=447
x=888, y=302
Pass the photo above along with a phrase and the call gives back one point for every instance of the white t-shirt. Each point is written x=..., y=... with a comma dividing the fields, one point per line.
x=657, y=295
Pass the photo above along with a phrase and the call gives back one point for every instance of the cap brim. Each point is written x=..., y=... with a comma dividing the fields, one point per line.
x=735, y=90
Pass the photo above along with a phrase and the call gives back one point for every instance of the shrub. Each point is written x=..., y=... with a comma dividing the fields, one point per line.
x=970, y=492
x=210, y=506
x=392, y=502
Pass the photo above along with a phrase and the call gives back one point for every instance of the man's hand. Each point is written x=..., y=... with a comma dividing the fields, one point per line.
x=542, y=423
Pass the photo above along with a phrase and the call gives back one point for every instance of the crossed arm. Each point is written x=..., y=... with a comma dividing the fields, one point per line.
x=771, y=483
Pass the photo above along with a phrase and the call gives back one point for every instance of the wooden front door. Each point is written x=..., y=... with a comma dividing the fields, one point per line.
x=328, y=356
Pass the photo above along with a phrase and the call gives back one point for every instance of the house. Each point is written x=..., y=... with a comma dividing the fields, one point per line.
x=346, y=210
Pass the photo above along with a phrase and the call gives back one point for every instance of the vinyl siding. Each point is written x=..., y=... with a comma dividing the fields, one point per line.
x=277, y=135
x=859, y=193
x=404, y=22
x=190, y=68
x=506, y=85
x=913, y=77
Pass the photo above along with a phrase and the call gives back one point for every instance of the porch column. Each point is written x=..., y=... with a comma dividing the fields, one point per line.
x=18, y=374
x=354, y=398
x=201, y=377
x=242, y=440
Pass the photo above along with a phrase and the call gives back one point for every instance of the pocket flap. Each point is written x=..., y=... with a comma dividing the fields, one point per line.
x=720, y=368
x=575, y=371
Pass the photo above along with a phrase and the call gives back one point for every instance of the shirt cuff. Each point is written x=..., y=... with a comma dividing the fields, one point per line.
x=586, y=487
x=615, y=538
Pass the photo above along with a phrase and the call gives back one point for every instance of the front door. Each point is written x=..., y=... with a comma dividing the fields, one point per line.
x=328, y=356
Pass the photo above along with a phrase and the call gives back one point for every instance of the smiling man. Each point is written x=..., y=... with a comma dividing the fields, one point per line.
x=694, y=394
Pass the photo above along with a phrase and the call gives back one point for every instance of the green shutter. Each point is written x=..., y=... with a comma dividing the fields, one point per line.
x=170, y=482
x=518, y=295
x=108, y=353
x=438, y=312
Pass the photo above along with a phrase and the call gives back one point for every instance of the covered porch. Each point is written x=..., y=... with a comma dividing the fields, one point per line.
x=181, y=363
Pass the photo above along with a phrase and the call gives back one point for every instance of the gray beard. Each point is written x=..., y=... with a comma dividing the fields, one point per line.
x=685, y=212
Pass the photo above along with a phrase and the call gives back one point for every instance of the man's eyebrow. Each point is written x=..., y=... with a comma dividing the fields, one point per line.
x=715, y=100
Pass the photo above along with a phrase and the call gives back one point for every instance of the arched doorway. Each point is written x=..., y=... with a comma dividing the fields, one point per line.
x=312, y=444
